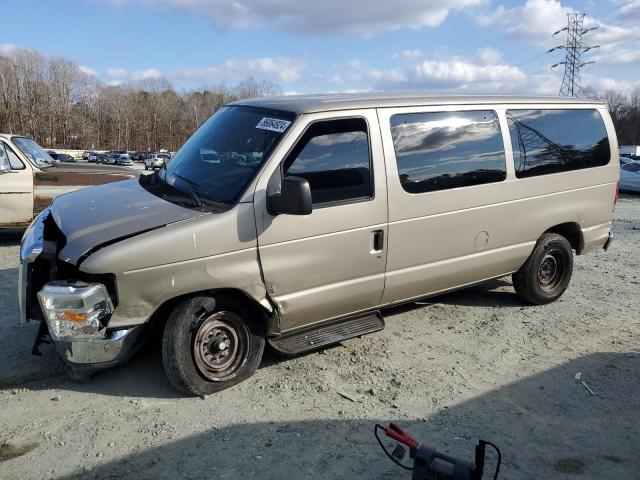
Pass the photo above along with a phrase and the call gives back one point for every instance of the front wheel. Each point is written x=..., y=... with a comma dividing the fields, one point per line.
x=547, y=272
x=210, y=344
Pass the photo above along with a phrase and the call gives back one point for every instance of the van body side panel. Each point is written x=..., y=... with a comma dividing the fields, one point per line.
x=213, y=251
x=16, y=197
x=322, y=265
x=442, y=239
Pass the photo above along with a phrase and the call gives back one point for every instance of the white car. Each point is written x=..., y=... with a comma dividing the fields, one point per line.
x=156, y=160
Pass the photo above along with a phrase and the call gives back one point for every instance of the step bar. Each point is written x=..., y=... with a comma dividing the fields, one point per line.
x=319, y=336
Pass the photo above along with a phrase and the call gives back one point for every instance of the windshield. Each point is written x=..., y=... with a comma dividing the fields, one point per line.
x=32, y=151
x=221, y=158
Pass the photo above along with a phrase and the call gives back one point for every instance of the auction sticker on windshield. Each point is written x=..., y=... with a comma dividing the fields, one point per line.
x=273, y=124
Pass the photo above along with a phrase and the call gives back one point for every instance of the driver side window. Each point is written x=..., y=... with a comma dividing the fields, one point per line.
x=333, y=156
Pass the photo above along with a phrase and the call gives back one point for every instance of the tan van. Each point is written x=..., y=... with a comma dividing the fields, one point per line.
x=29, y=179
x=292, y=221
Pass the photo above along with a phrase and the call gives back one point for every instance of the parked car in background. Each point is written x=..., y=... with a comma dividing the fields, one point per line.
x=156, y=160
x=61, y=157
x=91, y=157
x=29, y=181
x=138, y=156
x=123, y=159
x=630, y=177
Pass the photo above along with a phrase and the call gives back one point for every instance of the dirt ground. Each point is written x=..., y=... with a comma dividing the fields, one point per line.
x=473, y=364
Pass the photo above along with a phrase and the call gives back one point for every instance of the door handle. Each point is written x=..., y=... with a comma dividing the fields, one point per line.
x=378, y=241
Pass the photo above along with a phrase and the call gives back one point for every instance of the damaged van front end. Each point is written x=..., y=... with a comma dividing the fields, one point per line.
x=81, y=304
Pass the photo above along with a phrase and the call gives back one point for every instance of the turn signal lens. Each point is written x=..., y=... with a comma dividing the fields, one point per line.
x=75, y=317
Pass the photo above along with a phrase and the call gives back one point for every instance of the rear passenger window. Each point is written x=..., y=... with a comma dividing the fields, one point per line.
x=442, y=150
x=552, y=141
x=334, y=158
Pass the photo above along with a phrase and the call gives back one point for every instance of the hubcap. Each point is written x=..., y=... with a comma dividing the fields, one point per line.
x=551, y=270
x=220, y=346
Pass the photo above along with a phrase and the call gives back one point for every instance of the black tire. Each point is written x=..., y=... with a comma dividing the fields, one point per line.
x=199, y=333
x=547, y=272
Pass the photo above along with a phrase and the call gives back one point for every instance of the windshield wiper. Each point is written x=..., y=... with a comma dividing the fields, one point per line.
x=192, y=188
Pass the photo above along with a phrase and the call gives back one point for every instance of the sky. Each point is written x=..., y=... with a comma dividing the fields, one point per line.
x=465, y=46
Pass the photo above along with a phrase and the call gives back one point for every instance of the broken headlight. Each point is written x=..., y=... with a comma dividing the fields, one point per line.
x=75, y=309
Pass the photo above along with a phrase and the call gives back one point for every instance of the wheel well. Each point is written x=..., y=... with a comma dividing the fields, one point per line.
x=571, y=231
x=159, y=318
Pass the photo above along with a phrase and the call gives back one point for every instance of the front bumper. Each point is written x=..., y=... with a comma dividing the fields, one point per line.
x=96, y=354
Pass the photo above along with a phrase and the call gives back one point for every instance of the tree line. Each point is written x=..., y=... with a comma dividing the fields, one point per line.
x=53, y=101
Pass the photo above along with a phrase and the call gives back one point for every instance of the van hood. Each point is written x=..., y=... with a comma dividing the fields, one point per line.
x=97, y=216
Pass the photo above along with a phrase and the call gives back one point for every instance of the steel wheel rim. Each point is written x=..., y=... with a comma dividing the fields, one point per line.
x=552, y=270
x=220, y=345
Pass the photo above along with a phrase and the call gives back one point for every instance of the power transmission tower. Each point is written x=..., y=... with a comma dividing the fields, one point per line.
x=574, y=48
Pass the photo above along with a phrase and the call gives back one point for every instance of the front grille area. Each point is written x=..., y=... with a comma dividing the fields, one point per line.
x=44, y=268
x=48, y=267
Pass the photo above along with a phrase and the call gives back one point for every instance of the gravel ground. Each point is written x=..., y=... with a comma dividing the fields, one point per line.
x=473, y=364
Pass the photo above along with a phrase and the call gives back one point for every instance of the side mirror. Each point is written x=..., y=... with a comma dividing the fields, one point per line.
x=292, y=198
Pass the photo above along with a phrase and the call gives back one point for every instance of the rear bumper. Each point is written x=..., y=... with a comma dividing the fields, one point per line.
x=596, y=237
x=97, y=354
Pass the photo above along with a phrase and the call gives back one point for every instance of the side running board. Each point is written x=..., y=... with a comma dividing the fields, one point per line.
x=319, y=336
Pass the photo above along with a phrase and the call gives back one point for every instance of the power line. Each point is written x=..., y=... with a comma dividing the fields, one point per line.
x=574, y=47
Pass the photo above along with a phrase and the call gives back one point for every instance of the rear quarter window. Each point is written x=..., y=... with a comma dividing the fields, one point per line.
x=443, y=150
x=553, y=141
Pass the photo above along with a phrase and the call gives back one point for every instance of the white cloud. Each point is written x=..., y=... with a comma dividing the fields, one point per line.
x=409, y=55
x=360, y=17
x=621, y=56
x=631, y=10
x=279, y=69
x=483, y=73
x=489, y=55
x=148, y=74
x=282, y=69
x=533, y=20
x=116, y=72
x=7, y=47
x=87, y=70
x=461, y=72
x=605, y=83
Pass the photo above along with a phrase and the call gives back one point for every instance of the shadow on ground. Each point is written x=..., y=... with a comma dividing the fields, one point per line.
x=18, y=365
x=144, y=375
x=547, y=425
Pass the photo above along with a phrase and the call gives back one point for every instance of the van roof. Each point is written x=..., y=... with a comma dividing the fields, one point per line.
x=345, y=101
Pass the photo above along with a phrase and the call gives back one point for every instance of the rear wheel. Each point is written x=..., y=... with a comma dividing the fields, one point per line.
x=547, y=272
x=210, y=344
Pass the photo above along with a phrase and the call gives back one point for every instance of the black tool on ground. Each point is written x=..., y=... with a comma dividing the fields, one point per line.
x=429, y=464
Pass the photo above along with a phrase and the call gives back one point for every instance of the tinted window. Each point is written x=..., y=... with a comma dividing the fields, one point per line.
x=441, y=150
x=631, y=167
x=14, y=160
x=334, y=158
x=551, y=141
